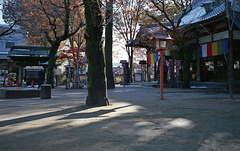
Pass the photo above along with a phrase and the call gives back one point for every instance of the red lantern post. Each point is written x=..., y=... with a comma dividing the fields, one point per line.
x=161, y=44
x=161, y=75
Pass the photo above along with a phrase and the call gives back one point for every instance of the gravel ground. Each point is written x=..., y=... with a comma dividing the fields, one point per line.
x=136, y=120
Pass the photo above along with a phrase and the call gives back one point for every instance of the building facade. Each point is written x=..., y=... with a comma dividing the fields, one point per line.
x=213, y=28
x=17, y=37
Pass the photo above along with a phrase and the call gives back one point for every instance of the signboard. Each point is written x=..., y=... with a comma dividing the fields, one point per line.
x=178, y=65
x=157, y=44
x=4, y=64
x=57, y=72
x=138, y=77
x=171, y=67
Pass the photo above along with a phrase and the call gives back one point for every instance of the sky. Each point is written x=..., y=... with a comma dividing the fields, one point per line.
x=119, y=51
x=1, y=20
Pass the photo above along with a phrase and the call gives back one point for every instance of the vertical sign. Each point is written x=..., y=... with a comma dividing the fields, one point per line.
x=178, y=64
x=171, y=68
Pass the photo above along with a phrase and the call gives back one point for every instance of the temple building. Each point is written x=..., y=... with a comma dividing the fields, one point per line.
x=28, y=61
x=213, y=30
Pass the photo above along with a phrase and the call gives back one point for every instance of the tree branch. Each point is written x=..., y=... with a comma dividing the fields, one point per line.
x=163, y=11
x=9, y=30
x=157, y=20
x=52, y=24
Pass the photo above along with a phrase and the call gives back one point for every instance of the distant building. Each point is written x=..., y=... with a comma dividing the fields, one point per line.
x=6, y=42
x=28, y=60
x=14, y=39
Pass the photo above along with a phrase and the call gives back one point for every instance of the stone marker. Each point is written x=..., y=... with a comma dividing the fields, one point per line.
x=45, y=92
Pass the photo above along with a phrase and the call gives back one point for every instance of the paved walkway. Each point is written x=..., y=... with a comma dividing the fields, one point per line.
x=137, y=120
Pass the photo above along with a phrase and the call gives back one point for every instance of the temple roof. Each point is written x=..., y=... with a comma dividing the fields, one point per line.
x=29, y=53
x=201, y=11
x=204, y=10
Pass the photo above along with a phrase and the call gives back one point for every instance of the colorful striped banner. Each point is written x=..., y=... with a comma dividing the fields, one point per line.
x=213, y=49
x=204, y=50
x=225, y=46
x=209, y=49
x=199, y=51
x=167, y=53
x=157, y=56
x=154, y=57
x=152, y=60
x=149, y=59
x=219, y=43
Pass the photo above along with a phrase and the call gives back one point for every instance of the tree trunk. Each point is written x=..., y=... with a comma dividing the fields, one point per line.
x=97, y=87
x=75, y=80
x=131, y=65
x=186, y=67
x=51, y=63
x=230, y=59
x=108, y=45
x=186, y=58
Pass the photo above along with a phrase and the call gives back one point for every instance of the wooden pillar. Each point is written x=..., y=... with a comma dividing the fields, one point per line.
x=161, y=75
x=155, y=71
x=198, y=69
x=20, y=75
x=147, y=78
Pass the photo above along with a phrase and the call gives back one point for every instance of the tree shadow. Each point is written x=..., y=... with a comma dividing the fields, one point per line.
x=156, y=126
x=42, y=116
x=99, y=113
x=126, y=133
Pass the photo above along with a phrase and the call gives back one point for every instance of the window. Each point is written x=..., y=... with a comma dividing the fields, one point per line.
x=9, y=44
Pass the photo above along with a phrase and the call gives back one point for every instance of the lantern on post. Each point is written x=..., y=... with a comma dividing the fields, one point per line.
x=160, y=40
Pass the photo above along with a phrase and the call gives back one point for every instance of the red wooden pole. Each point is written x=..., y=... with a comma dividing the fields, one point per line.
x=32, y=83
x=17, y=85
x=161, y=75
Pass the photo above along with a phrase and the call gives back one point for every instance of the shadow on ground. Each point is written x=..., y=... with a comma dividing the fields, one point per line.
x=136, y=121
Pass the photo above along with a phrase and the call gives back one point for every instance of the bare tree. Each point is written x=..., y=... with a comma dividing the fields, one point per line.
x=10, y=16
x=51, y=18
x=126, y=17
